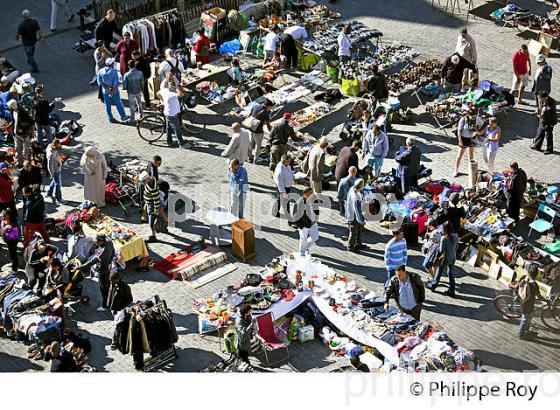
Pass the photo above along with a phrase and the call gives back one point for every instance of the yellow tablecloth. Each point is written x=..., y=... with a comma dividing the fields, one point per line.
x=135, y=247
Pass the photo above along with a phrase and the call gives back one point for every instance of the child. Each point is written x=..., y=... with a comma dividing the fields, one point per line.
x=10, y=233
x=236, y=77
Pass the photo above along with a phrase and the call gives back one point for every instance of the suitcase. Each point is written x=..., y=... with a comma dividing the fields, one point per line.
x=410, y=230
x=421, y=217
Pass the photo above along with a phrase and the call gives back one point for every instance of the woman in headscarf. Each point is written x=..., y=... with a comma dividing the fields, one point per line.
x=94, y=165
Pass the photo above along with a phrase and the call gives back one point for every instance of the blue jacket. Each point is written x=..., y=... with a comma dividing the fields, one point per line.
x=238, y=181
x=344, y=186
x=376, y=145
x=133, y=82
x=108, y=77
x=353, y=211
x=4, y=111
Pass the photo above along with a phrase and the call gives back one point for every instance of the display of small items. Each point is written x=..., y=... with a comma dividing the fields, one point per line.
x=448, y=110
x=417, y=75
x=383, y=57
x=325, y=41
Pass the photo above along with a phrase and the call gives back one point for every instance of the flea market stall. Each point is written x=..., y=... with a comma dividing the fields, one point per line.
x=308, y=298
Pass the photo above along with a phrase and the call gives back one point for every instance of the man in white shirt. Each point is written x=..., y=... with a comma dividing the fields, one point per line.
x=171, y=110
x=283, y=178
x=344, y=44
x=466, y=48
x=239, y=146
x=271, y=42
x=171, y=64
x=289, y=46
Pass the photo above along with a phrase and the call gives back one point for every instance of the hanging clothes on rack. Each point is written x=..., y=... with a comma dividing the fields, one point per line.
x=145, y=327
x=157, y=32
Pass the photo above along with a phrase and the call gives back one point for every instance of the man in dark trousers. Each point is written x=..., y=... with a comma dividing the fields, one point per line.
x=407, y=289
x=29, y=31
x=280, y=133
x=119, y=298
x=515, y=188
x=100, y=264
x=106, y=27
x=547, y=121
x=142, y=64
x=452, y=72
x=347, y=157
x=409, y=165
x=377, y=85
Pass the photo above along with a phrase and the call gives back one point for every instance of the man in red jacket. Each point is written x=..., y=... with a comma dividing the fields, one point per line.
x=7, y=200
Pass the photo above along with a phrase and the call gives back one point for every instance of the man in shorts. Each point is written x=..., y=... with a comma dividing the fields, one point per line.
x=521, y=64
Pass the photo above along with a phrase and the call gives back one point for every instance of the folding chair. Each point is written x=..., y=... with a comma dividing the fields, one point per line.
x=268, y=338
x=542, y=225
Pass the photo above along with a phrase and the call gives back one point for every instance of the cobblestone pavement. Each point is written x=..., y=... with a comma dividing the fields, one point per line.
x=470, y=319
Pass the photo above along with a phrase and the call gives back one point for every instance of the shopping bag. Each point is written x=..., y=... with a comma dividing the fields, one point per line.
x=350, y=86
x=251, y=123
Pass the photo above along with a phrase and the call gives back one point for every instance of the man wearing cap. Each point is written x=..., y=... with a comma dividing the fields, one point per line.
x=108, y=79
x=521, y=65
x=281, y=132
x=23, y=129
x=152, y=201
x=543, y=78
x=344, y=44
x=354, y=216
x=28, y=30
x=547, y=121
x=452, y=72
x=59, y=4
x=100, y=266
x=7, y=200
x=106, y=27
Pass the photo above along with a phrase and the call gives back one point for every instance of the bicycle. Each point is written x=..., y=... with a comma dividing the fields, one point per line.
x=509, y=306
x=152, y=126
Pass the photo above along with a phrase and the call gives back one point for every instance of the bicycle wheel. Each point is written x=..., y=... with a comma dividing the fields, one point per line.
x=550, y=316
x=506, y=306
x=151, y=127
x=193, y=122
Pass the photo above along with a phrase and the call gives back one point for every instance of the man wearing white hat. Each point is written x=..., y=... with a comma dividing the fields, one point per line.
x=108, y=79
x=543, y=77
x=59, y=4
x=28, y=30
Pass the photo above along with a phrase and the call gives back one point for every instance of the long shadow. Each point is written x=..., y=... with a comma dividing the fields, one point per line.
x=9, y=363
x=504, y=362
x=192, y=360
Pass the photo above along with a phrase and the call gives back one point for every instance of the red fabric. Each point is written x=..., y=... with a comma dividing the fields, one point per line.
x=433, y=188
x=266, y=331
x=30, y=230
x=198, y=47
x=519, y=62
x=110, y=192
x=6, y=192
x=125, y=51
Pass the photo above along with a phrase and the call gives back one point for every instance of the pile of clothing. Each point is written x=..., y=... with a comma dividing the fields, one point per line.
x=517, y=16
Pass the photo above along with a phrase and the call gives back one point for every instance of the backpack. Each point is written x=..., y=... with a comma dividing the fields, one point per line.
x=524, y=290
x=175, y=70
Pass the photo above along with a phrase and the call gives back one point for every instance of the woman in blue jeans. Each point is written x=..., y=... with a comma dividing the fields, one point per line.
x=376, y=148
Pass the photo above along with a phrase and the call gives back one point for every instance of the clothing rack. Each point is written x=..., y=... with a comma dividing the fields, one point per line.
x=141, y=332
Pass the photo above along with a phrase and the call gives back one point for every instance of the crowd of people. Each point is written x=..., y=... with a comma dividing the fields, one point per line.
x=29, y=111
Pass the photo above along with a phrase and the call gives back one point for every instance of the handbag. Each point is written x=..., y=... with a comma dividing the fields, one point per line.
x=251, y=123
